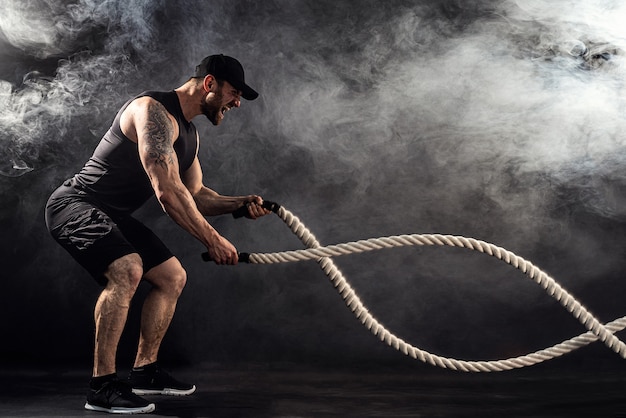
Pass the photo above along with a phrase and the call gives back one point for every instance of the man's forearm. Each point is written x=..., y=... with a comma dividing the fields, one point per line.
x=179, y=205
x=210, y=203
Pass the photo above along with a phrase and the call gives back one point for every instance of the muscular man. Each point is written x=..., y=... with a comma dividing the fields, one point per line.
x=150, y=149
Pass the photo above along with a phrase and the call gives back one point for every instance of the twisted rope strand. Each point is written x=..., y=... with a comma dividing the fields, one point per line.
x=322, y=255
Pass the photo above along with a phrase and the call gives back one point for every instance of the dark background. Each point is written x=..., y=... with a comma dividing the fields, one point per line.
x=500, y=120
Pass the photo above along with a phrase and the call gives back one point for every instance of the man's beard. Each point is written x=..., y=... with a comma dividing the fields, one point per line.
x=211, y=111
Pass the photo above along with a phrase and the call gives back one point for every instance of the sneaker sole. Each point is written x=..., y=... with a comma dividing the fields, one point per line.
x=166, y=391
x=122, y=411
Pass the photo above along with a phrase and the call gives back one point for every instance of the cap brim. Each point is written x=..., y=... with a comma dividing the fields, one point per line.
x=248, y=93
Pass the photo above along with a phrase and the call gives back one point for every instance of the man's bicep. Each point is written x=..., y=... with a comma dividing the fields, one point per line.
x=192, y=178
x=155, y=137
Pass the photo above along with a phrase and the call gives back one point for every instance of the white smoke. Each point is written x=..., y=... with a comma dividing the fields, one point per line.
x=522, y=88
x=85, y=46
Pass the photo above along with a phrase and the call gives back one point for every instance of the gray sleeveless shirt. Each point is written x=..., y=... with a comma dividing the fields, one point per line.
x=114, y=178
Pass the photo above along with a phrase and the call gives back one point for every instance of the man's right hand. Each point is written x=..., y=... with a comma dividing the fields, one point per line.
x=223, y=252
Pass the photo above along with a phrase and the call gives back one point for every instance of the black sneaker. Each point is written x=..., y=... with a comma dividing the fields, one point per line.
x=117, y=397
x=152, y=380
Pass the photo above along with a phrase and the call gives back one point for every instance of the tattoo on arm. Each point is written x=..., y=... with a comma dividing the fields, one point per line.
x=158, y=133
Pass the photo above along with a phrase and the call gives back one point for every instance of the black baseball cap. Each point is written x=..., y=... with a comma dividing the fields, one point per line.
x=226, y=68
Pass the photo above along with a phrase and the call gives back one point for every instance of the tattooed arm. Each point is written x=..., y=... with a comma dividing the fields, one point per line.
x=148, y=123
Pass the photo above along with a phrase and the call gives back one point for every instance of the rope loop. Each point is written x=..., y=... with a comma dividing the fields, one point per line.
x=322, y=255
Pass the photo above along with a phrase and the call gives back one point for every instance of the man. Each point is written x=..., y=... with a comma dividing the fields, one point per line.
x=150, y=149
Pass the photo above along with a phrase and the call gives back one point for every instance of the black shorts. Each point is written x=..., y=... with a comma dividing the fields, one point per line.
x=95, y=239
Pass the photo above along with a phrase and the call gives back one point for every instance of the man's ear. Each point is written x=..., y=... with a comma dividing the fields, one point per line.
x=208, y=83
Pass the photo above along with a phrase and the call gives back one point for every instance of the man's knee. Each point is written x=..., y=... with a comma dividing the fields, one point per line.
x=179, y=280
x=125, y=272
x=169, y=276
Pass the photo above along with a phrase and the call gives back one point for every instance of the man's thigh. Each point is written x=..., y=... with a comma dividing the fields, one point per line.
x=95, y=239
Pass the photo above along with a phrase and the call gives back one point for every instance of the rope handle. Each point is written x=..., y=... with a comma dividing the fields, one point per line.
x=240, y=213
x=243, y=257
x=243, y=210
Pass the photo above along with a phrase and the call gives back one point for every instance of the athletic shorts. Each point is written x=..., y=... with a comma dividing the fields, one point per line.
x=94, y=238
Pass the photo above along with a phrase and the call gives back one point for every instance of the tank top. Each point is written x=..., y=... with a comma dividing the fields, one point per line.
x=114, y=178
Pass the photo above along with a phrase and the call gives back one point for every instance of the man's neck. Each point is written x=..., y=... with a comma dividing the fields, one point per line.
x=190, y=98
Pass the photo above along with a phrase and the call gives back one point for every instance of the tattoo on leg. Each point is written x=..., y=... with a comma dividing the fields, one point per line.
x=158, y=132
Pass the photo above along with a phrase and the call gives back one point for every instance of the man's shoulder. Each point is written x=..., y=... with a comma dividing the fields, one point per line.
x=168, y=99
x=151, y=96
x=144, y=101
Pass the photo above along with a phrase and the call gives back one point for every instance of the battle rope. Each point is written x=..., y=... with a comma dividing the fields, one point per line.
x=596, y=330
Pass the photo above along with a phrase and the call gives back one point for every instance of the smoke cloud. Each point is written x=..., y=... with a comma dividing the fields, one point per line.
x=499, y=120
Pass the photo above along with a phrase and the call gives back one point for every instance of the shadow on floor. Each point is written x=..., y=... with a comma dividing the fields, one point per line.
x=294, y=392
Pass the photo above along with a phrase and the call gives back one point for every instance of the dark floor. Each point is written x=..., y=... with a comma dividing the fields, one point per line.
x=294, y=392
